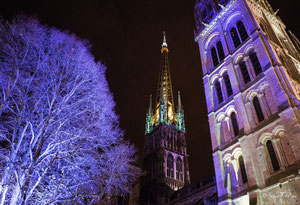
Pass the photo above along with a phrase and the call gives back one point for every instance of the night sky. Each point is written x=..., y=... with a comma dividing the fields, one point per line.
x=126, y=36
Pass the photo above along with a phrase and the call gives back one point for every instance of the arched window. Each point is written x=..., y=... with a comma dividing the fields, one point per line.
x=272, y=155
x=255, y=63
x=258, y=109
x=244, y=72
x=227, y=84
x=214, y=56
x=234, y=124
x=219, y=91
x=179, y=174
x=242, y=31
x=235, y=37
x=170, y=166
x=220, y=51
x=243, y=170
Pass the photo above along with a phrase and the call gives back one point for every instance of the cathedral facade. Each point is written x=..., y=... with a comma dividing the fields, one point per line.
x=251, y=76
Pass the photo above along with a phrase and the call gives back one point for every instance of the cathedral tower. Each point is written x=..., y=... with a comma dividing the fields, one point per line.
x=251, y=75
x=165, y=154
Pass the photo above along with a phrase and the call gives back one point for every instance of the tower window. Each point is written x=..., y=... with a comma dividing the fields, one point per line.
x=170, y=166
x=220, y=51
x=219, y=92
x=227, y=84
x=244, y=71
x=214, y=56
x=179, y=175
x=243, y=170
x=242, y=31
x=272, y=155
x=235, y=37
x=255, y=63
x=258, y=109
x=234, y=124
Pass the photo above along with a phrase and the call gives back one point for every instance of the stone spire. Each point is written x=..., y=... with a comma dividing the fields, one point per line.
x=149, y=118
x=180, y=115
x=164, y=44
x=165, y=82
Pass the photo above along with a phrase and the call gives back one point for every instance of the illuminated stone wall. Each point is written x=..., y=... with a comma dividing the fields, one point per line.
x=252, y=94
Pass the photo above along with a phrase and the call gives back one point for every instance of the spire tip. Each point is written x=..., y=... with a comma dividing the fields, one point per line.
x=164, y=44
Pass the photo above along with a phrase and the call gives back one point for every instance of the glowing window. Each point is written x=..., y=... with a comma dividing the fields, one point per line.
x=170, y=166
x=179, y=175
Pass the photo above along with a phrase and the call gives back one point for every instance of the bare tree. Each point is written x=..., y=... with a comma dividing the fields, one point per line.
x=59, y=134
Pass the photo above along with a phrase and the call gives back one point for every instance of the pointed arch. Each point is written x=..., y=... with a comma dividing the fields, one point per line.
x=170, y=166
x=179, y=169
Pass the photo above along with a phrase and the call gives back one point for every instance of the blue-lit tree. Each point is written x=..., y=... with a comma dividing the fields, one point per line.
x=59, y=135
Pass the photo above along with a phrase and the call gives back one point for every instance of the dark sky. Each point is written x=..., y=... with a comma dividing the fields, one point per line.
x=126, y=36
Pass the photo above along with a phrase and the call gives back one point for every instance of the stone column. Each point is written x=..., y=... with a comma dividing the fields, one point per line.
x=214, y=96
x=218, y=134
x=240, y=76
x=250, y=114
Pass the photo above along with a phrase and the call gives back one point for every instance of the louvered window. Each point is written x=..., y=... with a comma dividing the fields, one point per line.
x=179, y=175
x=235, y=37
x=219, y=92
x=242, y=31
x=220, y=51
x=258, y=109
x=244, y=72
x=227, y=84
x=255, y=63
x=170, y=166
x=214, y=56
x=272, y=155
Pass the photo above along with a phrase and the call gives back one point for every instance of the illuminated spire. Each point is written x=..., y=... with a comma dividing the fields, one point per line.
x=179, y=102
x=164, y=44
x=164, y=85
x=149, y=118
x=180, y=115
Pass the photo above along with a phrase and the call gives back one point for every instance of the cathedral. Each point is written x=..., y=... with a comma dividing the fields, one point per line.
x=165, y=157
x=251, y=76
